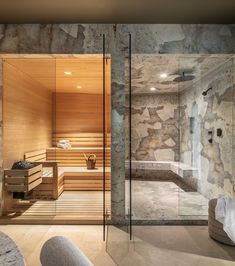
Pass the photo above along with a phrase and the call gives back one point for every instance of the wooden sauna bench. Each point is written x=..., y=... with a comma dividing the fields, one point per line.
x=81, y=178
x=75, y=157
x=56, y=179
x=72, y=164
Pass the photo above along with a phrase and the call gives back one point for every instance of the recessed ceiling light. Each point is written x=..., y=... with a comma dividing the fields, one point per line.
x=79, y=87
x=68, y=73
x=152, y=89
x=163, y=75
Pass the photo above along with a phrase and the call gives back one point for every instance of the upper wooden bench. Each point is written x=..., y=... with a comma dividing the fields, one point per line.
x=82, y=140
x=81, y=143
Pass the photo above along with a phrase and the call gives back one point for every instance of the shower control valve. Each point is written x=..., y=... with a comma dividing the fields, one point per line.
x=210, y=140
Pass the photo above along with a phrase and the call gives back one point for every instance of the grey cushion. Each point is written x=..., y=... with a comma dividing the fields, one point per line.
x=9, y=252
x=60, y=251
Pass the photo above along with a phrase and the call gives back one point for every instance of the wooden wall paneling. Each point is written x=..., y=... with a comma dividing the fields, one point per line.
x=75, y=157
x=86, y=72
x=27, y=113
x=77, y=113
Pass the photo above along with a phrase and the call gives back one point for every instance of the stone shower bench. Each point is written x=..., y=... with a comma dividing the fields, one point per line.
x=181, y=169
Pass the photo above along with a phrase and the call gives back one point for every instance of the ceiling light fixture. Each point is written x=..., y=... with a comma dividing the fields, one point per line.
x=79, y=87
x=163, y=75
x=68, y=73
x=152, y=89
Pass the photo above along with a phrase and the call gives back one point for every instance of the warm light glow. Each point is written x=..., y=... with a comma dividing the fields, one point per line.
x=163, y=75
x=68, y=73
x=152, y=89
x=79, y=87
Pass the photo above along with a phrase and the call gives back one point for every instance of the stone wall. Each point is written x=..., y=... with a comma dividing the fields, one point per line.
x=155, y=132
x=80, y=38
x=202, y=114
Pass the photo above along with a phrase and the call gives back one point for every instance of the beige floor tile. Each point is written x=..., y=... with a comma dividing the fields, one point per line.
x=152, y=245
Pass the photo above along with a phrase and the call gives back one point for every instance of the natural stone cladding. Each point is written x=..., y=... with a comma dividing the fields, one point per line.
x=146, y=39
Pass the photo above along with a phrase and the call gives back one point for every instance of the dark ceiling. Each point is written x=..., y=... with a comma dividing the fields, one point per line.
x=117, y=11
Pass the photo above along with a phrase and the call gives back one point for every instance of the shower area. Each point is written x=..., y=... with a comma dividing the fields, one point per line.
x=179, y=136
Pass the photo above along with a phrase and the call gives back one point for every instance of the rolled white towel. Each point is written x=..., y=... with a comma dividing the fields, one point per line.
x=64, y=144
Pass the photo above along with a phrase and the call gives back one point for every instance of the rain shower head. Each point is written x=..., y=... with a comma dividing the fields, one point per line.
x=204, y=93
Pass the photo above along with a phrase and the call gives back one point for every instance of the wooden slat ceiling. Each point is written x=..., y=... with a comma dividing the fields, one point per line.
x=86, y=73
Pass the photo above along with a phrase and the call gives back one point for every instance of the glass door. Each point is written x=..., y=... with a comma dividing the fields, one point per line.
x=82, y=136
x=128, y=140
x=106, y=94
x=206, y=126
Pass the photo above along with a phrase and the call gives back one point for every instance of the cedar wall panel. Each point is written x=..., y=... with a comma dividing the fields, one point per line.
x=81, y=113
x=27, y=115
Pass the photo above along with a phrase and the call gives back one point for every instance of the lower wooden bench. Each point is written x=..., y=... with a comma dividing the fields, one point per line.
x=56, y=179
x=73, y=179
x=81, y=178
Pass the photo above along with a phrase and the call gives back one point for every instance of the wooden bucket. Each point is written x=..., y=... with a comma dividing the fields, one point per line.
x=90, y=161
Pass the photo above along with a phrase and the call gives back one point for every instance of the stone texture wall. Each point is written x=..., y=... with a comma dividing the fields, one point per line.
x=155, y=131
x=213, y=161
x=80, y=38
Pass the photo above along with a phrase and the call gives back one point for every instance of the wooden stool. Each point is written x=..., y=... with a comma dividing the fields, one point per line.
x=215, y=228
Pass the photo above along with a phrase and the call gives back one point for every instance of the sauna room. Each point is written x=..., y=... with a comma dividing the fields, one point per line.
x=56, y=139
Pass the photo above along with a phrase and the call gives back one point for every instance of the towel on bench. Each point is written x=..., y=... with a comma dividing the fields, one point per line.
x=64, y=144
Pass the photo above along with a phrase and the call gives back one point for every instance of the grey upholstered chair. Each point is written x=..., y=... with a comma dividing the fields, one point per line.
x=60, y=251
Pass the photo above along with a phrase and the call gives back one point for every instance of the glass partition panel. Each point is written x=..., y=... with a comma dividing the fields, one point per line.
x=206, y=126
x=106, y=138
x=82, y=136
x=233, y=135
x=28, y=85
x=155, y=138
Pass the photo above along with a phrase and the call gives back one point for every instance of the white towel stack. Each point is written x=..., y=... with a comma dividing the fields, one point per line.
x=64, y=144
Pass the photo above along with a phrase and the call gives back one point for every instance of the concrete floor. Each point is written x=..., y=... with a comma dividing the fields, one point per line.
x=156, y=200
x=188, y=239
x=152, y=245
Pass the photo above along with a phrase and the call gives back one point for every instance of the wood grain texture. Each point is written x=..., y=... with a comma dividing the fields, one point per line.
x=80, y=113
x=86, y=72
x=27, y=115
x=52, y=181
x=86, y=181
x=27, y=118
x=75, y=157
x=82, y=140
x=18, y=180
x=72, y=207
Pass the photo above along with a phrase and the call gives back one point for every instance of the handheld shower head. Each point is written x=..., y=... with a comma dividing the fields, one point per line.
x=204, y=93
